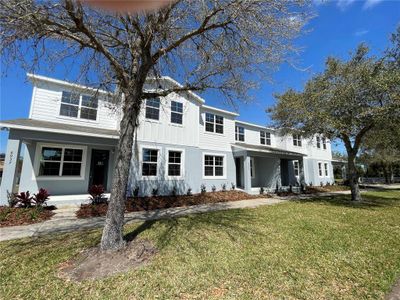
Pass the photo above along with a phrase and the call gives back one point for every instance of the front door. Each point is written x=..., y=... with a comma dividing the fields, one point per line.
x=99, y=168
x=238, y=172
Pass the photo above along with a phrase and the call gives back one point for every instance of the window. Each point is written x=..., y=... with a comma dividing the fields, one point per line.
x=320, y=169
x=214, y=123
x=265, y=138
x=318, y=142
x=78, y=106
x=213, y=166
x=176, y=112
x=239, y=133
x=252, y=168
x=153, y=109
x=149, y=163
x=326, y=169
x=324, y=143
x=174, y=163
x=296, y=167
x=297, y=140
x=60, y=161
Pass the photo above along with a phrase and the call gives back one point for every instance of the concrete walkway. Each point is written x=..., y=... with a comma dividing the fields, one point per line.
x=65, y=220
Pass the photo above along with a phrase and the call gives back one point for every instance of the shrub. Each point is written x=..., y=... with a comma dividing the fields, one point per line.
x=261, y=190
x=174, y=192
x=203, y=189
x=96, y=193
x=223, y=186
x=24, y=199
x=213, y=188
x=277, y=189
x=12, y=199
x=321, y=184
x=189, y=192
x=233, y=187
x=290, y=189
x=136, y=192
x=41, y=197
x=154, y=192
x=310, y=184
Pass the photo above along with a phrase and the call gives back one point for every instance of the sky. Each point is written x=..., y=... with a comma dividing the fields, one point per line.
x=336, y=30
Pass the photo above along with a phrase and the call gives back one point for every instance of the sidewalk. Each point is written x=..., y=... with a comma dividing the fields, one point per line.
x=65, y=220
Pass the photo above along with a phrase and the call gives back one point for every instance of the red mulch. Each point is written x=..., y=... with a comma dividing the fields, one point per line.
x=12, y=216
x=158, y=202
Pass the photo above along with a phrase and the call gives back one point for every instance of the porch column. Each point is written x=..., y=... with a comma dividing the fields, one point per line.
x=246, y=173
x=10, y=169
x=301, y=170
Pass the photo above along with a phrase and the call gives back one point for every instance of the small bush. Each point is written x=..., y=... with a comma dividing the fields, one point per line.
x=290, y=189
x=277, y=189
x=203, y=189
x=310, y=184
x=41, y=197
x=136, y=192
x=174, y=192
x=261, y=190
x=213, y=188
x=321, y=184
x=154, y=192
x=96, y=193
x=12, y=199
x=233, y=186
x=223, y=186
x=24, y=199
x=189, y=192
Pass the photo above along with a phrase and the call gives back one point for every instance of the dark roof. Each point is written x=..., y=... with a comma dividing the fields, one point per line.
x=45, y=126
x=266, y=149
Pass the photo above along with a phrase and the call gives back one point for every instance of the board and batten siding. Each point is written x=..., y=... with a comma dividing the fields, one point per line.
x=46, y=102
x=252, y=134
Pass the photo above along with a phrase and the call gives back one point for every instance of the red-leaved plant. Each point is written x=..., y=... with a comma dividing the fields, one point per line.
x=24, y=199
x=41, y=197
x=96, y=193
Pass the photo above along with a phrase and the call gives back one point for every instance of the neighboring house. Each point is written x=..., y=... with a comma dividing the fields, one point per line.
x=72, y=132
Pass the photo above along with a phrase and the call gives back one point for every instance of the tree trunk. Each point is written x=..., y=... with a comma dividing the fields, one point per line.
x=385, y=173
x=391, y=174
x=112, y=238
x=353, y=178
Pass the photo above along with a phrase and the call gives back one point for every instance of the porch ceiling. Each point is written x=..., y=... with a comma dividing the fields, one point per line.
x=44, y=126
x=266, y=151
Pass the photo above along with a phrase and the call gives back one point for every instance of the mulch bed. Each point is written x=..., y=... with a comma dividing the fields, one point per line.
x=12, y=216
x=159, y=202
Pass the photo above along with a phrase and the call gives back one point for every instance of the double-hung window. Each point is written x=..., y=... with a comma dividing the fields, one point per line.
x=153, y=109
x=265, y=138
x=214, y=123
x=213, y=166
x=174, y=163
x=64, y=161
x=324, y=143
x=149, y=162
x=320, y=169
x=296, y=167
x=297, y=140
x=75, y=105
x=239, y=133
x=326, y=169
x=176, y=112
x=318, y=142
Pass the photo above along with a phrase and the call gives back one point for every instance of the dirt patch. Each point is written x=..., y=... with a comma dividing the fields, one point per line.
x=12, y=216
x=395, y=292
x=94, y=263
x=159, y=202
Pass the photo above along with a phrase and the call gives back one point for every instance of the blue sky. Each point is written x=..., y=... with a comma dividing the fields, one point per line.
x=336, y=30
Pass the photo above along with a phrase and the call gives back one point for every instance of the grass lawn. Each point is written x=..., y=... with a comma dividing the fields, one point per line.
x=320, y=249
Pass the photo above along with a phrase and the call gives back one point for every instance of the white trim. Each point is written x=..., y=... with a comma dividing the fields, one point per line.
x=78, y=117
x=182, y=151
x=223, y=166
x=38, y=152
x=326, y=169
x=61, y=131
x=222, y=111
x=215, y=123
x=32, y=100
x=298, y=168
x=252, y=168
x=159, y=157
x=255, y=125
x=320, y=174
x=183, y=113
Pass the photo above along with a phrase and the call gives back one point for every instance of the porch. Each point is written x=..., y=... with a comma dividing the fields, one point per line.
x=64, y=159
x=266, y=167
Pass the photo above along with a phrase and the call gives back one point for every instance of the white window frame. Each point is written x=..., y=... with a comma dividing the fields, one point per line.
x=159, y=110
x=78, y=117
x=326, y=169
x=159, y=156
x=182, y=151
x=320, y=169
x=175, y=112
x=252, y=168
x=318, y=140
x=214, y=123
x=38, y=154
x=324, y=147
x=297, y=140
x=223, y=166
x=266, y=138
x=238, y=134
x=296, y=166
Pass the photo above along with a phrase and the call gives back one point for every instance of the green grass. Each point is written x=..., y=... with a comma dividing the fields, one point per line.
x=321, y=249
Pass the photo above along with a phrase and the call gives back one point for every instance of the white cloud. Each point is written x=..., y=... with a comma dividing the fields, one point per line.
x=361, y=32
x=344, y=4
x=371, y=3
